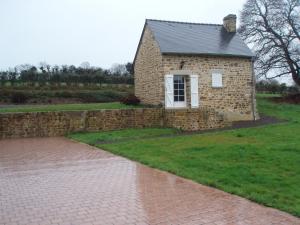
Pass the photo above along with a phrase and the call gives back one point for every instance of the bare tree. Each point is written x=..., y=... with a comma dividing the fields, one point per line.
x=118, y=69
x=129, y=68
x=85, y=65
x=44, y=67
x=272, y=27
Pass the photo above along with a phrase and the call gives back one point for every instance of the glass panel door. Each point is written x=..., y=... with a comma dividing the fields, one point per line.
x=179, y=91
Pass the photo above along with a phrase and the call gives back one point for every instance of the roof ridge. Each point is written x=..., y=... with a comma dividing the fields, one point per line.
x=170, y=21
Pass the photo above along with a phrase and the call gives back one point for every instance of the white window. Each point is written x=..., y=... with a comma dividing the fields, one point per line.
x=216, y=79
x=179, y=91
x=175, y=91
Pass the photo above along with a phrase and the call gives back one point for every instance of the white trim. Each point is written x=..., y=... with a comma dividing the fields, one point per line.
x=180, y=105
x=194, y=90
x=182, y=72
x=169, y=91
x=217, y=79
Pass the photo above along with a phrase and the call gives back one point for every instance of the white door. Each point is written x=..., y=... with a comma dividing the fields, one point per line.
x=179, y=91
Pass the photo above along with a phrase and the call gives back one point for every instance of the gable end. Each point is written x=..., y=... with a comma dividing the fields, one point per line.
x=141, y=39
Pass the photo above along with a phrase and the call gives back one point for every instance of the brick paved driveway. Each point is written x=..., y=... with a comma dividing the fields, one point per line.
x=57, y=181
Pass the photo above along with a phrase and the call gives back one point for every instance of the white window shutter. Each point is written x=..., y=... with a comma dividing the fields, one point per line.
x=169, y=91
x=217, y=80
x=194, y=91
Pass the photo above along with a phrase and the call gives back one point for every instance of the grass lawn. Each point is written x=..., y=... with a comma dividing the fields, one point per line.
x=64, y=107
x=261, y=164
x=122, y=135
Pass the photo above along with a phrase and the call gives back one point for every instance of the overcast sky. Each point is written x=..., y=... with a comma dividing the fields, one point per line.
x=101, y=32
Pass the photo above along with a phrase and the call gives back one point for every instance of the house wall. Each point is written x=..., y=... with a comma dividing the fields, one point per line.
x=148, y=71
x=195, y=119
x=235, y=98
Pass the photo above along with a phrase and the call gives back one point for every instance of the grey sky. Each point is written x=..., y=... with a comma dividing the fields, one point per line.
x=101, y=32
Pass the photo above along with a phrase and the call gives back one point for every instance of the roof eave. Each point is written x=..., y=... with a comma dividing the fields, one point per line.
x=208, y=54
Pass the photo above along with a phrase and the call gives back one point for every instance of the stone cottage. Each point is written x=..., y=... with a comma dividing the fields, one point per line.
x=192, y=66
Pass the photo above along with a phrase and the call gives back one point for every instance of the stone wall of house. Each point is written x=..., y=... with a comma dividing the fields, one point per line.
x=46, y=124
x=235, y=99
x=195, y=119
x=148, y=70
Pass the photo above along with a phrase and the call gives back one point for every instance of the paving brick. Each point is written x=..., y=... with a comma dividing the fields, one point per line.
x=56, y=181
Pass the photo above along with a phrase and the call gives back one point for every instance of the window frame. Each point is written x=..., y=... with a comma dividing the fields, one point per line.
x=219, y=82
x=180, y=104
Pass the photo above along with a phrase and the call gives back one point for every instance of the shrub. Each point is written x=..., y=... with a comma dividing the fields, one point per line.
x=131, y=100
x=63, y=94
x=19, y=98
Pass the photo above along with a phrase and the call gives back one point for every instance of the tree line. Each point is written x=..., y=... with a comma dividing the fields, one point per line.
x=274, y=87
x=117, y=74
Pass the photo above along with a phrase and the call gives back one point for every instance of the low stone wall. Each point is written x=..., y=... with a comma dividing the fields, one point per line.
x=123, y=118
x=45, y=124
x=194, y=119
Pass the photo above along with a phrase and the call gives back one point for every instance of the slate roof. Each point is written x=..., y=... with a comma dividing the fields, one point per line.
x=197, y=39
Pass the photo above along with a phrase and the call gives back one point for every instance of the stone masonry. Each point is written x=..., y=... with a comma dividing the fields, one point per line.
x=235, y=98
x=229, y=23
x=194, y=119
x=148, y=71
x=47, y=124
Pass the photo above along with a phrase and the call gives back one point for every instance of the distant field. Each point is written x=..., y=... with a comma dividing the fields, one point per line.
x=67, y=94
x=58, y=85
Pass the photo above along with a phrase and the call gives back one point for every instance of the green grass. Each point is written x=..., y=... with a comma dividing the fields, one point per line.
x=64, y=107
x=122, y=135
x=261, y=164
x=266, y=95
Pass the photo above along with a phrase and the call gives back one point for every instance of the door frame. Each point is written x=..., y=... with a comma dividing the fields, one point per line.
x=181, y=104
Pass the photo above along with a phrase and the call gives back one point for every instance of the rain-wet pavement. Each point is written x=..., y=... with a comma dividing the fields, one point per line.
x=58, y=181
